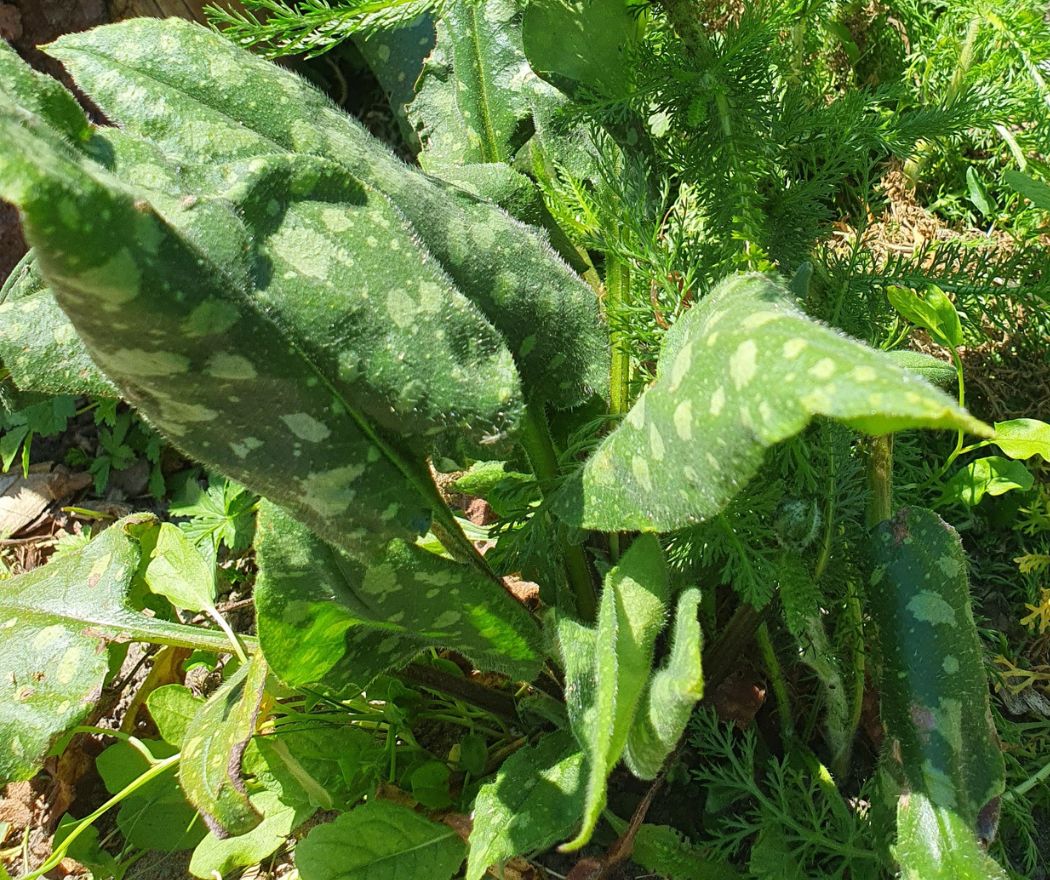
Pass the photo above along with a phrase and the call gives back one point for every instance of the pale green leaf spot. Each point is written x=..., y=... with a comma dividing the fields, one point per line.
x=930, y=607
x=742, y=363
x=307, y=428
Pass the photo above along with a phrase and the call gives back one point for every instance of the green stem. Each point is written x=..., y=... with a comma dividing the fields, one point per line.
x=1018, y=791
x=617, y=284
x=539, y=447
x=880, y=479
x=960, y=437
x=858, y=661
x=776, y=681
x=60, y=852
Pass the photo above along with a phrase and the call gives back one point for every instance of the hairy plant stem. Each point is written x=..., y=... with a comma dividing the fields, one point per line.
x=539, y=447
x=686, y=22
x=880, y=479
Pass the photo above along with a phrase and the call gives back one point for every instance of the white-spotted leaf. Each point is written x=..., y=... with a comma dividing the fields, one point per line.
x=740, y=372
x=324, y=616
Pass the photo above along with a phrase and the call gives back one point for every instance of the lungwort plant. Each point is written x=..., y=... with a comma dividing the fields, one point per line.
x=289, y=304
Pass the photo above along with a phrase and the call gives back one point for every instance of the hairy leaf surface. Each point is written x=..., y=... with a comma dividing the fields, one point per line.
x=473, y=95
x=39, y=345
x=607, y=667
x=202, y=99
x=671, y=694
x=202, y=342
x=326, y=616
x=740, y=372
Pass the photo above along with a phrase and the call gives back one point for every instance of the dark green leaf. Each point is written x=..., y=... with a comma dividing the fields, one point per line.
x=941, y=739
x=583, y=45
x=701, y=430
x=547, y=315
x=380, y=841
x=474, y=94
x=204, y=339
x=39, y=345
x=429, y=784
x=535, y=800
x=325, y=616
x=43, y=96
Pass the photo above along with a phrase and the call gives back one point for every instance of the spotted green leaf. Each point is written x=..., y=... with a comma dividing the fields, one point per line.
x=202, y=100
x=326, y=616
x=210, y=769
x=42, y=95
x=1023, y=438
x=607, y=667
x=535, y=800
x=671, y=694
x=216, y=324
x=396, y=56
x=935, y=843
x=699, y=433
x=991, y=475
x=931, y=310
x=583, y=45
x=55, y=624
x=380, y=841
x=941, y=738
x=472, y=100
x=39, y=345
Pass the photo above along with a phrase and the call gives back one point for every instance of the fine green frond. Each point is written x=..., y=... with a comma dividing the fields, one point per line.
x=310, y=27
